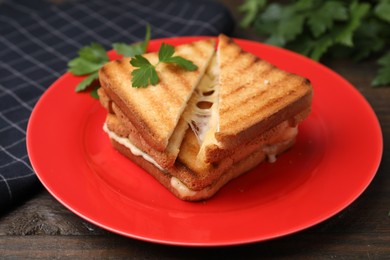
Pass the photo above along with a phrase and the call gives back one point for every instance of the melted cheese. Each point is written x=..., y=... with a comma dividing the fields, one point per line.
x=134, y=150
x=182, y=189
x=271, y=149
x=205, y=121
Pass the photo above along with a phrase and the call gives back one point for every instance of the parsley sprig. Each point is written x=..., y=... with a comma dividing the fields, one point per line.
x=92, y=57
x=357, y=29
x=146, y=73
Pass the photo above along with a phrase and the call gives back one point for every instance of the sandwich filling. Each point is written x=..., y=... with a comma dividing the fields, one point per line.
x=270, y=150
x=204, y=117
x=134, y=149
x=180, y=187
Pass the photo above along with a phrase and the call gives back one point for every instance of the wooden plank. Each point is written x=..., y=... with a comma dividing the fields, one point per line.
x=311, y=246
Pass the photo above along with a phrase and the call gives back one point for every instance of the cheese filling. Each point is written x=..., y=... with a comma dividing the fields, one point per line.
x=204, y=119
x=181, y=188
x=134, y=150
x=271, y=150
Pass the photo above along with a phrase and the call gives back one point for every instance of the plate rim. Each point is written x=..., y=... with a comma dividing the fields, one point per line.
x=205, y=244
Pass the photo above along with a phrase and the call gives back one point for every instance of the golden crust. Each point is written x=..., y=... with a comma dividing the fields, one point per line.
x=214, y=153
x=254, y=95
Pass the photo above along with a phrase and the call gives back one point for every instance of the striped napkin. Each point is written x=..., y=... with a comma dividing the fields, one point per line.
x=38, y=38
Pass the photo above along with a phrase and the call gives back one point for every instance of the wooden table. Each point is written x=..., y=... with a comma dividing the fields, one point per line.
x=43, y=228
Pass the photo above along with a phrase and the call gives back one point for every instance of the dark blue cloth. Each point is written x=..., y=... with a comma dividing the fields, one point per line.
x=37, y=39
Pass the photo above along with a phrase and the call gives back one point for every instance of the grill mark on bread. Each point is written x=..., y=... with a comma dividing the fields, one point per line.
x=269, y=68
x=237, y=53
x=197, y=49
x=251, y=61
x=183, y=80
x=169, y=94
x=245, y=102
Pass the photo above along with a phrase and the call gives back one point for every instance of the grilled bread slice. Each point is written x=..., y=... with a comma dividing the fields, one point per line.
x=155, y=111
x=252, y=97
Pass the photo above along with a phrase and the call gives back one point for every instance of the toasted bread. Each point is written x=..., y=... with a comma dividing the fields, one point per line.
x=156, y=110
x=253, y=97
x=256, y=93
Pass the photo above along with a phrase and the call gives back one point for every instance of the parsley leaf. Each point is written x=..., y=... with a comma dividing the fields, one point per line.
x=281, y=23
x=94, y=92
x=92, y=57
x=166, y=51
x=368, y=39
x=127, y=49
x=323, y=17
x=342, y=28
x=165, y=54
x=94, y=53
x=181, y=62
x=140, y=61
x=252, y=7
x=383, y=76
x=146, y=73
x=382, y=10
x=357, y=13
x=85, y=83
x=130, y=50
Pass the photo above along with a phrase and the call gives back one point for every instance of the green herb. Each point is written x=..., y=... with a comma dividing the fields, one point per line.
x=94, y=93
x=146, y=73
x=383, y=76
x=134, y=49
x=90, y=60
x=251, y=7
x=92, y=57
x=357, y=29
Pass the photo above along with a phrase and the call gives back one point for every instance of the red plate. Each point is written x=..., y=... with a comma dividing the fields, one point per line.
x=335, y=158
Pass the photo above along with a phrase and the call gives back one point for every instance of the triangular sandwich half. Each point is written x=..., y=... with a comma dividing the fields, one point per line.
x=251, y=96
x=155, y=112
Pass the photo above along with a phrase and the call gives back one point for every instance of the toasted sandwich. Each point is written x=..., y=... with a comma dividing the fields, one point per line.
x=241, y=111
